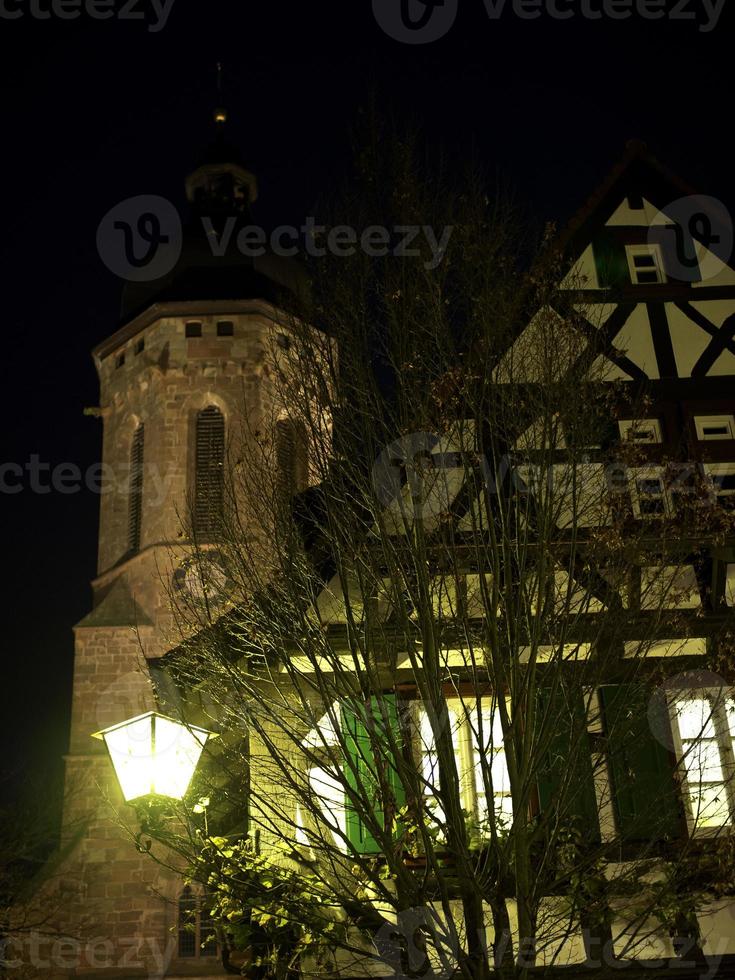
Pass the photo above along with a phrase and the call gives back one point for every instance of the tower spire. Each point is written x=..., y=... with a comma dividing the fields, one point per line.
x=220, y=112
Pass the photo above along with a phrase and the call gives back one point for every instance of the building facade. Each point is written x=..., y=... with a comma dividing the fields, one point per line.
x=193, y=350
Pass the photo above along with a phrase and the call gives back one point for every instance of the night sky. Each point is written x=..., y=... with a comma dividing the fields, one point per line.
x=96, y=111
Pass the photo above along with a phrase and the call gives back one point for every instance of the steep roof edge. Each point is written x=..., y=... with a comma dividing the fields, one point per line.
x=636, y=151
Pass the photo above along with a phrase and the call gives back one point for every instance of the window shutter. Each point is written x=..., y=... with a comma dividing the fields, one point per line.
x=135, y=504
x=209, y=464
x=362, y=772
x=565, y=781
x=641, y=768
x=610, y=260
x=291, y=457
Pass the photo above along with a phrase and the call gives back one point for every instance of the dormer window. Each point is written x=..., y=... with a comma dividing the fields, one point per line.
x=640, y=431
x=645, y=264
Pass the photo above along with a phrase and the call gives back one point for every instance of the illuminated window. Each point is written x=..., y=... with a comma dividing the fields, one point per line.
x=704, y=734
x=197, y=937
x=644, y=264
x=480, y=759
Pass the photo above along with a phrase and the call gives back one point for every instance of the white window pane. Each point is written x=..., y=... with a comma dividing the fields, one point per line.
x=487, y=733
x=429, y=760
x=709, y=806
x=324, y=733
x=703, y=762
x=331, y=795
x=730, y=711
x=695, y=718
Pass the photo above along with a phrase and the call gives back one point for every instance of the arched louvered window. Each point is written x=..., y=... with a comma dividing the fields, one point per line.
x=209, y=471
x=197, y=937
x=291, y=456
x=135, y=502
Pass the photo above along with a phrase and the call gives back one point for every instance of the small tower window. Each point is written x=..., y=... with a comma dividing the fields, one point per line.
x=644, y=264
x=291, y=456
x=197, y=937
x=135, y=504
x=209, y=475
x=140, y=346
x=120, y=359
x=225, y=328
x=193, y=329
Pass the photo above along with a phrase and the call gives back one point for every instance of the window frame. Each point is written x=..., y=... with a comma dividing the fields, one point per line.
x=195, y=900
x=628, y=428
x=466, y=751
x=715, y=470
x=635, y=251
x=725, y=740
x=720, y=421
x=649, y=472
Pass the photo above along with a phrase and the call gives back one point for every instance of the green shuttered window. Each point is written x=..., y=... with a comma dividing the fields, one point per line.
x=371, y=737
x=566, y=789
x=644, y=794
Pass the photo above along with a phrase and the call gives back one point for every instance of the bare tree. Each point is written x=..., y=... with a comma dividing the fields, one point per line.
x=447, y=722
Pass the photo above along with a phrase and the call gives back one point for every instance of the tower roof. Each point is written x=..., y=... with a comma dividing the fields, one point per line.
x=220, y=192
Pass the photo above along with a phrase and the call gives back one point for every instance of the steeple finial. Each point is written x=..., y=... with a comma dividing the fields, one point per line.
x=220, y=113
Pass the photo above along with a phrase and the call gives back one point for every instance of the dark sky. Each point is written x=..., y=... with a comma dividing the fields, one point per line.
x=94, y=112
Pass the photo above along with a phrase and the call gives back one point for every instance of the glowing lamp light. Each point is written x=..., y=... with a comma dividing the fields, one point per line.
x=153, y=755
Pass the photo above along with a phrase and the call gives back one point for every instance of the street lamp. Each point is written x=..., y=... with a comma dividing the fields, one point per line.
x=154, y=755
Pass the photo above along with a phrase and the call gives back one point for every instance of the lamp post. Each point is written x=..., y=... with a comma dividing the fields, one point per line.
x=154, y=755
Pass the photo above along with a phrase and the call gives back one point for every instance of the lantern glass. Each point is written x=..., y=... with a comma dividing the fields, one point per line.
x=154, y=755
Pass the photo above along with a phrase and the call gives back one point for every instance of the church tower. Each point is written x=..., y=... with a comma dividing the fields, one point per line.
x=187, y=358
